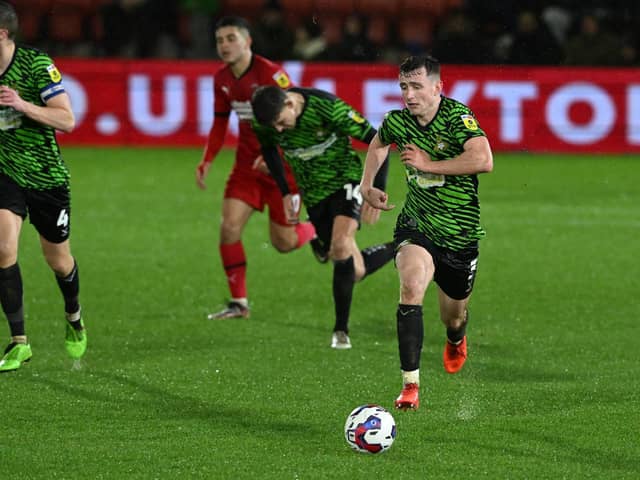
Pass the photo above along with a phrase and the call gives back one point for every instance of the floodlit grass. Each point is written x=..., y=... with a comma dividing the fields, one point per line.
x=550, y=389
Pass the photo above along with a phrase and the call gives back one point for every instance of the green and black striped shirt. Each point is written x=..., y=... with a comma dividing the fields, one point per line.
x=319, y=148
x=29, y=152
x=445, y=208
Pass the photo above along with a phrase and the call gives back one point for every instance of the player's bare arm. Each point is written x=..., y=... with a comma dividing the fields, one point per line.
x=376, y=154
x=57, y=113
x=476, y=158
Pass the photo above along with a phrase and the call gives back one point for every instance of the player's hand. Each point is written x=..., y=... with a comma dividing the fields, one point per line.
x=201, y=173
x=260, y=165
x=291, y=204
x=415, y=157
x=10, y=98
x=376, y=198
x=369, y=214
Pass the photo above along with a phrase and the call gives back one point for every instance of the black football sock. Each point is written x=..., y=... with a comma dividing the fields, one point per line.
x=410, y=336
x=455, y=335
x=377, y=256
x=11, y=298
x=344, y=277
x=70, y=288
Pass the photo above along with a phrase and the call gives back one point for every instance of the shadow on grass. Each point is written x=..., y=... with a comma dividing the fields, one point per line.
x=120, y=394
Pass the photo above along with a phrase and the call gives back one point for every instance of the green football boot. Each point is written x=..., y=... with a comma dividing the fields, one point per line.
x=75, y=341
x=14, y=356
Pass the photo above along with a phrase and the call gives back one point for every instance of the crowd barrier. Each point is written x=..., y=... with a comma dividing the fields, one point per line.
x=536, y=109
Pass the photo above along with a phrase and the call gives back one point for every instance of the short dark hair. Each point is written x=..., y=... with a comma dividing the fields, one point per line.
x=431, y=64
x=233, y=21
x=267, y=102
x=8, y=19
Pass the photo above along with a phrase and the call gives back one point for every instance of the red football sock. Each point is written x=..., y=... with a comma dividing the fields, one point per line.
x=305, y=231
x=235, y=267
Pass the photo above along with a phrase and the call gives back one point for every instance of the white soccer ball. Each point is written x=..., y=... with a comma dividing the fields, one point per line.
x=370, y=429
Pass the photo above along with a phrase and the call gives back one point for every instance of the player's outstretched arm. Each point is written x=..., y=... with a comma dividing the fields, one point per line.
x=376, y=155
x=57, y=112
x=211, y=149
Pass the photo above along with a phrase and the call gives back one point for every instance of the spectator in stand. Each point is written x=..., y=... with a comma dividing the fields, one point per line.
x=382, y=41
x=200, y=14
x=355, y=46
x=456, y=40
x=273, y=37
x=533, y=43
x=593, y=45
x=140, y=28
x=309, y=43
x=117, y=17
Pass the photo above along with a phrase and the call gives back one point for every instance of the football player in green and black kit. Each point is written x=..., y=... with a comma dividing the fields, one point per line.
x=314, y=129
x=35, y=182
x=443, y=149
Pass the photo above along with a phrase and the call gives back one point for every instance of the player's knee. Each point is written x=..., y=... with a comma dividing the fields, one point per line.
x=412, y=291
x=340, y=248
x=230, y=232
x=61, y=264
x=454, y=319
x=8, y=254
x=283, y=245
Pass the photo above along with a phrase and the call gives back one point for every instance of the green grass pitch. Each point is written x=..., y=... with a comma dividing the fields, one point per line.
x=550, y=389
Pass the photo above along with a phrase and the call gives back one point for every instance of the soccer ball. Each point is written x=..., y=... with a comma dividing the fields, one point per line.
x=370, y=429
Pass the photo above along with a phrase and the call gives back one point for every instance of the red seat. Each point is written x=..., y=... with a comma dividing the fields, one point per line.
x=374, y=8
x=31, y=16
x=248, y=9
x=417, y=32
x=336, y=7
x=331, y=26
x=378, y=30
x=431, y=8
x=299, y=8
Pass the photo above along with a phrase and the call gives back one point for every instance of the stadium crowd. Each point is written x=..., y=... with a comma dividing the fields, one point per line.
x=555, y=32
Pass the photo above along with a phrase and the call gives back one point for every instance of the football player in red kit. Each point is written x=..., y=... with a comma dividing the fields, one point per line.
x=249, y=186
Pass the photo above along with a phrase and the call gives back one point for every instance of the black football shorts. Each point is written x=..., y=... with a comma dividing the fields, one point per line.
x=48, y=210
x=346, y=202
x=455, y=271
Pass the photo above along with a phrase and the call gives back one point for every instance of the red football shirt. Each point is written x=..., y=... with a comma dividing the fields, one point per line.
x=233, y=93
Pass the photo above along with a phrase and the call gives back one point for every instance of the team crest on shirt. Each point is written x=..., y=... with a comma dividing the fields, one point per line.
x=355, y=116
x=54, y=73
x=469, y=122
x=440, y=143
x=282, y=79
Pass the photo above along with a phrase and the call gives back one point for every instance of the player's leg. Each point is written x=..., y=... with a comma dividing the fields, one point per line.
x=415, y=270
x=455, y=278
x=50, y=214
x=18, y=351
x=348, y=265
x=454, y=315
x=235, y=215
x=376, y=257
x=284, y=236
x=59, y=258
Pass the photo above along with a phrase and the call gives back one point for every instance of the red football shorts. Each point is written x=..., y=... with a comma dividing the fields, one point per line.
x=257, y=190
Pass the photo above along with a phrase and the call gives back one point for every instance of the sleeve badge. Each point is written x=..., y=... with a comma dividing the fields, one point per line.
x=54, y=73
x=355, y=116
x=469, y=122
x=282, y=79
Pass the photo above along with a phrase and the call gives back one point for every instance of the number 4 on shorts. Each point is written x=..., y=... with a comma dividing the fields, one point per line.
x=63, y=218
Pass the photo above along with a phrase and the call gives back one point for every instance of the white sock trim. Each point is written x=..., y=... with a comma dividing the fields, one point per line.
x=412, y=376
x=73, y=317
